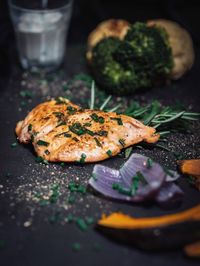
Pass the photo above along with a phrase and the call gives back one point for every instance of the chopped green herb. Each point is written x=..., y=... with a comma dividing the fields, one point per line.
x=26, y=94
x=71, y=110
x=47, y=152
x=109, y=153
x=54, y=193
x=118, y=119
x=59, y=115
x=97, y=118
x=122, y=142
x=65, y=134
x=61, y=123
x=83, y=157
x=98, y=142
x=102, y=133
x=149, y=163
x=14, y=145
x=62, y=164
x=42, y=143
x=81, y=224
x=128, y=152
x=30, y=127
x=60, y=100
x=89, y=220
x=81, y=189
x=87, y=125
x=76, y=247
x=89, y=132
x=77, y=129
x=39, y=159
x=94, y=176
x=69, y=218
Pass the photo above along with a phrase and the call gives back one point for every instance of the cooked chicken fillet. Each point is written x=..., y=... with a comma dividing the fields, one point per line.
x=64, y=132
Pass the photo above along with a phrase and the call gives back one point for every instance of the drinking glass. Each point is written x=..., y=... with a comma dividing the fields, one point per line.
x=41, y=29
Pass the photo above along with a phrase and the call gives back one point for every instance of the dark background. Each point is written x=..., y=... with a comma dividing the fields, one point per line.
x=45, y=244
x=87, y=14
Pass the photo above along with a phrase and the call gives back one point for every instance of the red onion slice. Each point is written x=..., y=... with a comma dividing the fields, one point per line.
x=168, y=194
x=152, y=181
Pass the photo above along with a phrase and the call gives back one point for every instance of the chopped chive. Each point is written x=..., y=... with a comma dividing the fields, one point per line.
x=94, y=176
x=81, y=224
x=102, y=133
x=30, y=126
x=128, y=152
x=61, y=123
x=26, y=94
x=14, y=145
x=71, y=110
x=83, y=157
x=59, y=115
x=109, y=153
x=89, y=132
x=122, y=142
x=42, y=143
x=89, y=220
x=98, y=142
x=76, y=247
x=60, y=100
x=62, y=164
x=149, y=163
x=97, y=118
x=39, y=159
x=118, y=119
x=87, y=125
x=65, y=134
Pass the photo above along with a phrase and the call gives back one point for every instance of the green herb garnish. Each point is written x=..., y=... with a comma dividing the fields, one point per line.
x=14, y=145
x=149, y=163
x=109, y=153
x=118, y=119
x=42, y=143
x=61, y=123
x=39, y=159
x=71, y=110
x=96, y=118
x=59, y=115
x=102, y=133
x=30, y=126
x=65, y=134
x=98, y=142
x=83, y=157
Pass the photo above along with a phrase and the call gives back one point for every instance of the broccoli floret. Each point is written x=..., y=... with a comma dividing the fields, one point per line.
x=138, y=61
x=109, y=73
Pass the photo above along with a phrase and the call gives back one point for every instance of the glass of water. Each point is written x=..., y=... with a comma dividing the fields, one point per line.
x=41, y=30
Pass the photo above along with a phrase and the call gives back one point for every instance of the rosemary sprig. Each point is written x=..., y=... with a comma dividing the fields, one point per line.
x=162, y=118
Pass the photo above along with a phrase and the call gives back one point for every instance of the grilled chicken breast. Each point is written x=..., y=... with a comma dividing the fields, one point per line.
x=62, y=131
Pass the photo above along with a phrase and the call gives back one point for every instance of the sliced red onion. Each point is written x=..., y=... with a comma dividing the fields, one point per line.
x=154, y=176
x=103, y=179
x=153, y=182
x=169, y=193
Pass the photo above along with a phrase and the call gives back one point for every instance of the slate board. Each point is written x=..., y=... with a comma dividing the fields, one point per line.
x=44, y=243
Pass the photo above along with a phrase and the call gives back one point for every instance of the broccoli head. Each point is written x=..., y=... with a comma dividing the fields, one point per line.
x=138, y=61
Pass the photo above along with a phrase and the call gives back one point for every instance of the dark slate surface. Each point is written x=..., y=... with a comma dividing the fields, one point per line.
x=44, y=243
